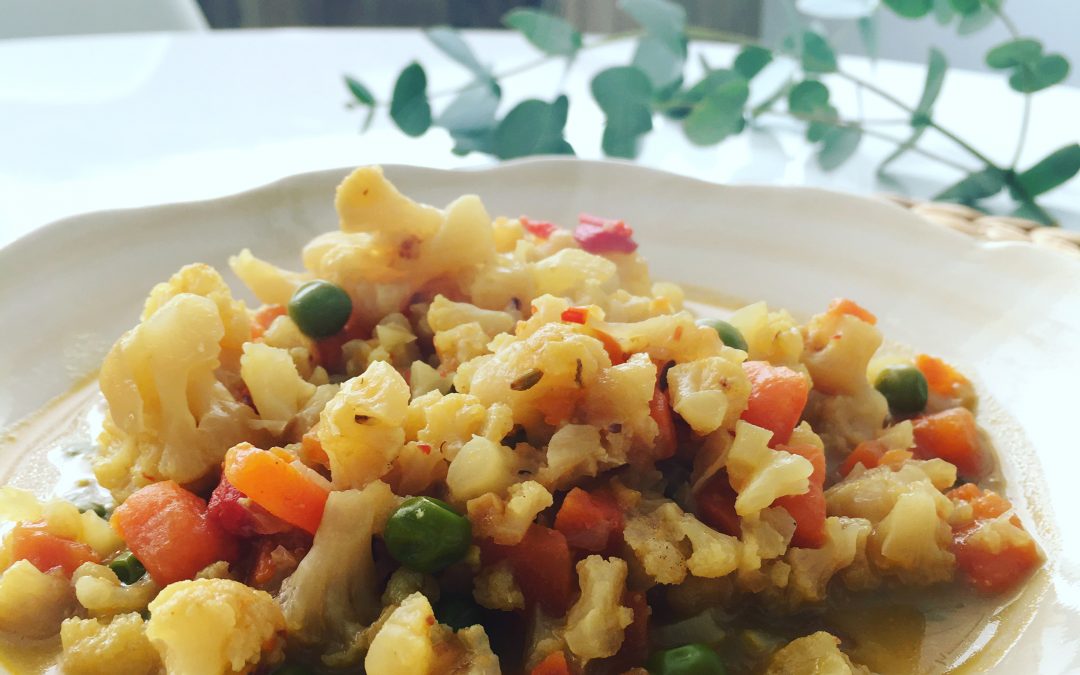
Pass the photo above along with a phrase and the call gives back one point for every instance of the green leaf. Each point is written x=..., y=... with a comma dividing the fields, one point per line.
x=624, y=94
x=1046, y=72
x=837, y=146
x=470, y=118
x=361, y=93
x=548, y=33
x=965, y=7
x=752, y=60
x=660, y=64
x=719, y=113
x=868, y=34
x=409, y=107
x=973, y=23
x=1032, y=211
x=1055, y=169
x=817, y=55
x=975, y=186
x=808, y=98
x=449, y=41
x=935, y=77
x=911, y=9
x=1014, y=53
x=533, y=127
x=944, y=12
x=661, y=19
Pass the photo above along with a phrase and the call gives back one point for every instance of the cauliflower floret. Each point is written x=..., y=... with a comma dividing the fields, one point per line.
x=574, y=451
x=709, y=393
x=403, y=644
x=495, y=588
x=275, y=385
x=448, y=422
x=423, y=379
x=99, y=590
x=119, y=646
x=270, y=284
x=760, y=474
x=505, y=521
x=619, y=400
x=770, y=336
x=334, y=592
x=478, y=658
x=443, y=314
x=595, y=624
x=816, y=653
x=204, y=281
x=838, y=352
x=454, y=346
x=657, y=540
x=480, y=467
x=668, y=337
x=22, y=586
x=361, y=427
x=845, y=420
x=813, y=568
x=213, y=626
x=567, y=272
x=169, y=417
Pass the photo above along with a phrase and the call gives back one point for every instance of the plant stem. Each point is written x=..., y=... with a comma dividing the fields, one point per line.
x=1025, y=122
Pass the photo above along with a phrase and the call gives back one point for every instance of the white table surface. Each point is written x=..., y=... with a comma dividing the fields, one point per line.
x=100, y=122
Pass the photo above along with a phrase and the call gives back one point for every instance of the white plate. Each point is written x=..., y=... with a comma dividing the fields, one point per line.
x=1007, y=313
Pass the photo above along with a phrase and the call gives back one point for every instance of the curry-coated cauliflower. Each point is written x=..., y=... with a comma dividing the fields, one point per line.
x=838, y=351
x=595, y=623
x=275, y=385
x=506, y=520
x=361, y=427
x=770, y=336
x=816, y=653
x=481, y=467
x=576, y=451
x=710, y=392
x=760, y=474
x=49, y=594
x=99, y=590
x=494, y=587
x=813, y=568
x=206, y=282
x=334, y=591
x=94, y=647
x=618, y=402
x=403, y=644
x=656, y=538
x=214, y=626
x=270, y=284
x=169, y=417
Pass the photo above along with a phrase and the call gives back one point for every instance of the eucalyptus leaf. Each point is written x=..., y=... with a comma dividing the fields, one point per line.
x=837, y=9
x=837, y=146
x=450, y=42
x=549, y=33
x=1055, y=169
x=470, y=118
x=662, y=19
x=1014, y=53
x=808, y=98
x=935, y=78
x=658, y=61
x=624, y=94
x=817, y=55
x=973, y=23
x=944, y=12
x=975, y=186
x=1046, y=72
x=911, y=9
x=965, y=7
x=868, y=35
x=409, y=106
x=719, y=113
x=533, y=127
x=752, y=60
x=361, y=93
x=1032, y=211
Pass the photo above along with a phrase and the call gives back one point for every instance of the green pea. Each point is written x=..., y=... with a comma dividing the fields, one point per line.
x=458, y=611
x=127, y=567
x=692, y=659
x=320, y=309
x=904, y=387
x=426, y=534
x=729, y=334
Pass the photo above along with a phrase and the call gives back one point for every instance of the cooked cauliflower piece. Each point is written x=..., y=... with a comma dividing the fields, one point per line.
x=214, y=626
x=98, y=589
x=23, y=586
x=275, y=385
x=270, y=284
x=481, y=467
x=595, y=623
x=204, y=281
x=657, y=540
x=93, y=647
x=770, y=336
x=333, y=593
x=760, y=474
x=169, y=417
x=838, y=352
x=813, y=568
x=815, y=653
x=444, y=314
x=494, y=587
x=618, y=402
x=573, y=452
x=506, y=520
x=709, y=393
x=361, y=427
x=403, y=644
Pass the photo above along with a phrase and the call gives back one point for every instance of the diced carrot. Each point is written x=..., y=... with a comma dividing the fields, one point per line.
x=941, y=378
x=311, y=449
x=591, y=522
x=575, y=315
x=538, y=228
x=996, y=571
x=808, y=509
x=716, y=505
x=867, y=453
x=166, y=527
x=777, y=398
x=263, y=318
x=276, y=485
x=841, y=306
x=542, y=566
x=985, y=504
x=46, y=551
x=660, y=410
x=611, y=346
x=553, y=664
x=952, y=436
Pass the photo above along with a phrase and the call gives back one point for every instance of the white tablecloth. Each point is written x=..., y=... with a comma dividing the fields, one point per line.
x=102, y=122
